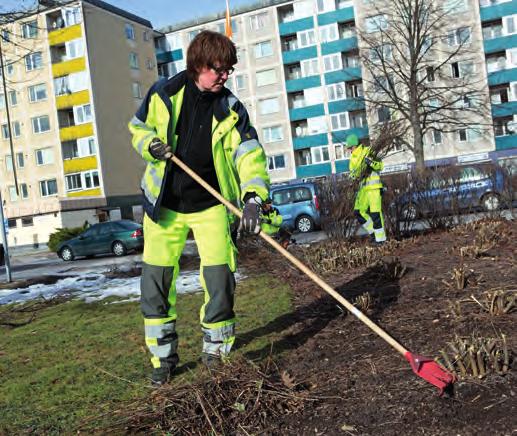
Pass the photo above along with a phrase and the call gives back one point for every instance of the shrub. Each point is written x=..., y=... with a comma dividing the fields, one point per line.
x=64, y=234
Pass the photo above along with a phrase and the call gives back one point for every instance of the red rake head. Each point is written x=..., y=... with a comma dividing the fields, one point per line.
x=430, y=371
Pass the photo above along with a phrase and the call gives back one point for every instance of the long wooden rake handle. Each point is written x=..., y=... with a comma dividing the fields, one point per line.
x=314, y=277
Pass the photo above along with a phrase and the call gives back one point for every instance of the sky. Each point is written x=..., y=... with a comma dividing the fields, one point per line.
x=160, y=12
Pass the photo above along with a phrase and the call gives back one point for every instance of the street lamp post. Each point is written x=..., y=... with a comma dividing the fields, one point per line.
x=4, y=240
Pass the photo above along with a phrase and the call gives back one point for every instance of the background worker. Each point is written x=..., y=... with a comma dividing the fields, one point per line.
x=368, y=202
x=195, y=117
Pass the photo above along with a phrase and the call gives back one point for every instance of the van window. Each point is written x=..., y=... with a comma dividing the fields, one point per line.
x=302, y=194
x=291, y=195
x=281, y=197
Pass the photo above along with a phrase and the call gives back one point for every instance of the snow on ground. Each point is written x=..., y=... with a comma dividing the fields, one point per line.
x=94, y=287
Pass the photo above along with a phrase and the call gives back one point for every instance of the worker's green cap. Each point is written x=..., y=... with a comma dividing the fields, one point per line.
x=352, y=141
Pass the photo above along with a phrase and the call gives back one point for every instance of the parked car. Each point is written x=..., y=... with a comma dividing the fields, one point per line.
x=116, y=237
x=298, y=204
x=467, y=188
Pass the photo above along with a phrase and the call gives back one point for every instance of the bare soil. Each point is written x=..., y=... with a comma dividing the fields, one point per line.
x=363, y=385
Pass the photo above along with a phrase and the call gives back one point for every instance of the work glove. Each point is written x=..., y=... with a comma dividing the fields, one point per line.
x=159, y=150
x=250, y=221
x=368, y=161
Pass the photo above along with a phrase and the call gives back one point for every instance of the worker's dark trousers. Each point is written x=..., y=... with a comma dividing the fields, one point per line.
x=164, y=242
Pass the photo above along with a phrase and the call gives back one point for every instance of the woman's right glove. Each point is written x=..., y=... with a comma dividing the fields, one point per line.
x=159, y=150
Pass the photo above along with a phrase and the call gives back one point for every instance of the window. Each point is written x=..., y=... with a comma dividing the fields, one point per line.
x=269, y=106
x=510, y=24
x=339, y=121
x=137, y=90
x=317, y=125
x=320, y=154
x=130, y=31
x=44, y=156
x=82, y=114
x=306, y=38
x=325, y=5
x=37, y=92
x=86, y=146
x=20, y=160
x=336, y=91
x=455, y=6
x=13, y=98
x=16, y=129
x=266, y=77
x=48, y=187
x=240, y=81
x=462, y=69
x=5, y=131
x=27, y=221
x=263, y=49
x=221, y=27
x=74, y=49
x=382, y=53
x=459, y=36
x=33, y=61
x=40, y=124
x=383, y=114
x=276, y=162
x=30, y=29
x=354, y=90
x=341, y=152
x=22, y=189
x=376, y=23
x=72, y=15
x=70, y=150
x=468, y=134
x=133, y=61
x=73, y=182
x=5, y=35
x=329, y=33
x=8, y=162
x=272, y=134
x=91, y=179
x=12, y=223
x=146, y=36
x=429, y=72
x=192, y=34
x=310, y=67
x=2, y=101
x=258, y=21
x=332, y=62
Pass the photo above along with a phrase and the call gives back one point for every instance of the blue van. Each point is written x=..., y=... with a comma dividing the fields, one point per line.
x=298, y=204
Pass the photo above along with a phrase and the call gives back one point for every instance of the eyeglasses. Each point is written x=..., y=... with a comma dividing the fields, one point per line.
x=221, y=70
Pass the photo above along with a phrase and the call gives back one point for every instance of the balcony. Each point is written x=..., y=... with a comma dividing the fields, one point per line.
x=60, y=36
x=169, y=56
x=347, y=105
x=68, y=67
x=303, y=113
x=341, y=45
x=339, y=15
x=75, y=132
x=65, y=101
x=313, y=170
x=347, y=74
x=490, y=13
x=340, y=136
x=505, y=142
x=79, y=164
x=504, y=109
x=290, y=27
x=302, y=83
x=501, y=43
x=502, y=76
x=95, y=192
x=300, y=54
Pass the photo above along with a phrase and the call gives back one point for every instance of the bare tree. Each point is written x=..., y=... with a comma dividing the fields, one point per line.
x=421, y=72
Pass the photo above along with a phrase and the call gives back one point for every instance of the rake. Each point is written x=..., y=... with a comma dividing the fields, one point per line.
x=422, y=366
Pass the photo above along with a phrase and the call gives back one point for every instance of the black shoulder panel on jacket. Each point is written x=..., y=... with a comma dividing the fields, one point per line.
x=163, y=86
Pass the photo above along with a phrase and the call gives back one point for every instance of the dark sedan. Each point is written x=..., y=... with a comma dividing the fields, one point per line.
x=470, y=188
x=115, y=237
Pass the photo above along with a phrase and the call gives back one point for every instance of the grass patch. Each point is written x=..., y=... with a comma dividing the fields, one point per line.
x=66, y=366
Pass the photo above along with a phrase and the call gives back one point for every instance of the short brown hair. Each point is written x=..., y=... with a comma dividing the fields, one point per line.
x=210, y=48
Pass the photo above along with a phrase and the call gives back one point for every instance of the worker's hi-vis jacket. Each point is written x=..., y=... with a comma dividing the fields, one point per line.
x=239, y=159
x=271, y=221
x=368, y=175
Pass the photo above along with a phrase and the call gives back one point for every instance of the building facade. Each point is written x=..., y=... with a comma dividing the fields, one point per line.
x=75, y=75
x=300, y=76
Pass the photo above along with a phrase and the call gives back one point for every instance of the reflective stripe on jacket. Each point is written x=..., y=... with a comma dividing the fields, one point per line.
x=369, y=176
x=239, y=159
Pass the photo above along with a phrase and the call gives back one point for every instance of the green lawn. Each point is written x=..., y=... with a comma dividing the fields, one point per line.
x=76, y=363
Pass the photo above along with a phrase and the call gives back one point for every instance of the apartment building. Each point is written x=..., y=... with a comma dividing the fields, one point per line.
x=300, y=76
x=75, y=75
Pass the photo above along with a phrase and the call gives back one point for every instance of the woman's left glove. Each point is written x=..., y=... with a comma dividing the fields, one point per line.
x=250, y=221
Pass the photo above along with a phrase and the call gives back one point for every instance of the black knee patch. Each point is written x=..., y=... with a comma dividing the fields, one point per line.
x=220, y=284
x=154, y=288
x=377, y=221
x=359, y=217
